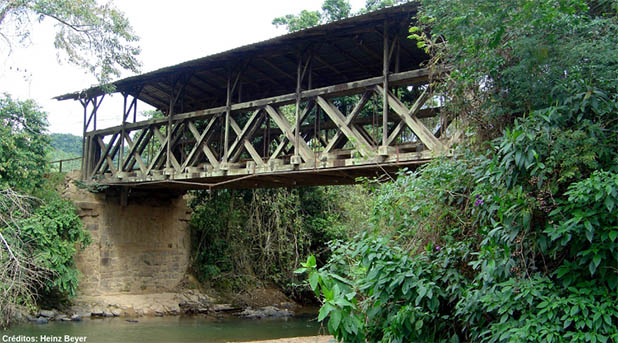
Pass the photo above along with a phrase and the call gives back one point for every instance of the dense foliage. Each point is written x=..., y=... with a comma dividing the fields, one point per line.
x=331, y=10
x=65, y=147
x=39, y=231
x=515, y=239
x=264, y=234
x=22, y=144
x=66, y=143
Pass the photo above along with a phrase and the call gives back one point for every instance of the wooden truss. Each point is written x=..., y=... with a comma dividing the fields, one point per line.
x=310, y=129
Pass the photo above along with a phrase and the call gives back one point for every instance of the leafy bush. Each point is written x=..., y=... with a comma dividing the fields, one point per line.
x=54, y=233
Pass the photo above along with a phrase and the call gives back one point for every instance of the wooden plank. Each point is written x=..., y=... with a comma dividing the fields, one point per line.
x=304, y=150
x=105, y=150
x=359, y=142
x=163, y=148
x=395, y=133
x=409, y=117
x=109, y=158
x=141, y=147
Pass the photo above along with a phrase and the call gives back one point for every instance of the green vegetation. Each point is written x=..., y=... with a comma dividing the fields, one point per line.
x=22, y=144
x=66, y=143
x=65, y=146
x=264, y=234
x=332, y=10
x=516, y=238
x=94, y=36
x=39, y=231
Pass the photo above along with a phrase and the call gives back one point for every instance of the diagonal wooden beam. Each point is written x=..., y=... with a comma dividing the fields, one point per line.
x=348, y=120
x=412, y=121
x=248, y=130
x=109, y=158
x=352, y=133
x=289, y=133
x=395, y=133
x=106, y=150
x=141, y=146
x=163, y=140
x=254, y=154
x=199, y=145
x=132, y=151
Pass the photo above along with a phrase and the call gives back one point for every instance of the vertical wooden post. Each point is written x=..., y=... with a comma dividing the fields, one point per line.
x=135, y=108
x=397, y=56
x=169, y=127
x=122, y=132
x=95, y=115
x=298, y=87
x=88, y=157
x=228, y=110
x=386, y=64
x=85, y=106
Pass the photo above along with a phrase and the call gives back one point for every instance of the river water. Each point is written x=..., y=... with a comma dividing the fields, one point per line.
x=182, y=329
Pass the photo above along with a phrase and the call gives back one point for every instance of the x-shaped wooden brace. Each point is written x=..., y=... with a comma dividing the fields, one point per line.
x=339, y=135
x=254, y=154
x=163, y=148
x=408, y=116
x=289, y=133
x=201, y=144
x=353, y=133
x=135, y=150
x=106, y=160
x=244, y=136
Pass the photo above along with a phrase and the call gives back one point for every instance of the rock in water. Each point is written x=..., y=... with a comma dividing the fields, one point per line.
x=47, y=313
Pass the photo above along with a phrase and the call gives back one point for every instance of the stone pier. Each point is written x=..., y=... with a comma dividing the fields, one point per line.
x=139, y=247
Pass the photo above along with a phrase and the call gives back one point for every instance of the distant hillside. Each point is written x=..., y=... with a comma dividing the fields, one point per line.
x=67, y=143
x=65, y=146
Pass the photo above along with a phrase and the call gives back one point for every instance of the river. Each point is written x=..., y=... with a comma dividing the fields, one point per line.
x=182, y=329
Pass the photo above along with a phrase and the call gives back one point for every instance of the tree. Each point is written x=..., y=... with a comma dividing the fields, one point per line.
x=23, y=144
x=332, y=10
x=95, y=37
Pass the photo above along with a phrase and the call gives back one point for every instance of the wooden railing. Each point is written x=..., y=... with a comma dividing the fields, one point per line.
x=63, y=163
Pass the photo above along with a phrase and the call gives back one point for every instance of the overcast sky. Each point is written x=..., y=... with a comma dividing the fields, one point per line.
x=171, y=32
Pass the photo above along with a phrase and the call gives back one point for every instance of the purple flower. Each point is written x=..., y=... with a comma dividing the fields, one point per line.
x=479, y=201
x=437, y=248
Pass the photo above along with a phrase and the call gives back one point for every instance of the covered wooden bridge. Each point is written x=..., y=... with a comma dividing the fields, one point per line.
x=320, y=106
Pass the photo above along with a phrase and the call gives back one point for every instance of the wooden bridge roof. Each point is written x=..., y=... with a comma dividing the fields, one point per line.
x=343, y=51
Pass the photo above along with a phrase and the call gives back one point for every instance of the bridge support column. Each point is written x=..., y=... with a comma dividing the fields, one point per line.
x=139, y=248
